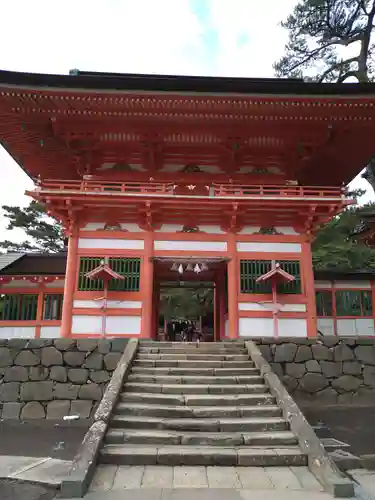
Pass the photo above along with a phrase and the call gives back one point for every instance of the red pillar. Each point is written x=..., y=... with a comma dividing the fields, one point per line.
x=70, y=284
x=147, y=286
x=220, y=293
x=232, y=286
x=309, y=289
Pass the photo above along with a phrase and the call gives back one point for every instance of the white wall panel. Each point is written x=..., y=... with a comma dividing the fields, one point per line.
x=49, y=332
x=111, y=304
x=292, y=327
x=254, y=306
x=112, y=244
x=17, y=332
x=253, y=246
x=123, y=325
x=56, y=284
x=352, y=284
x=86, y=324
x=346, y=327
x=209, y=246
x=326, y=326
x=211, y=229
x=132, y=228
x=170, y=228
x=322, y=284
x=355, y=326
x=249, y=230
x=256, y=327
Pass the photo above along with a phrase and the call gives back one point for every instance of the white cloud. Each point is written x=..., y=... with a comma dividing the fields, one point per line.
x=137, y=36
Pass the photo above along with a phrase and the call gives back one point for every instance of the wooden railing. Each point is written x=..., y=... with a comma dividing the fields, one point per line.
x=220, y=190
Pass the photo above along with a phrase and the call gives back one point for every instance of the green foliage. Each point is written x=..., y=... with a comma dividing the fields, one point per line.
x=43, y=234
x=186, y=303
x=335, y=247
x=318, y=32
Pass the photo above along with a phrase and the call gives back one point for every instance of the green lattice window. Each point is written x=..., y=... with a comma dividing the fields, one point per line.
x=324, y=303
x=18, y=307
x=250, y=270
x=353, y=303
x=52, y=306
x=129, y=268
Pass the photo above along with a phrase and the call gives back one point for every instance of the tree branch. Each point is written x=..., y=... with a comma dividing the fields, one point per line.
x=336, y=66
x=347, y=75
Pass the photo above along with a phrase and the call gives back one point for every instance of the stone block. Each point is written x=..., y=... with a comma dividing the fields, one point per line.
x=365, y=354
x=104, y=346
x=266, y=352
x=74, y=358
x=327, y=395
x=38, y=373
x=51, y=356
x=11, y=411
x=331, y=368
x=352, y=368
x=6, y=358
x=118, y=345
x=18, y=344
x=33, y=410
x=16, y=374
x=9, y=391
x=296, y=370
x=111, y=360
x=87, y=345
x=92, y=392
x=278, y=369
x=36, y=391
x=58, y=409
x=64, y=344
x=94, y=361
x=369, y=375
x=342, y=352
x=285, y=353
x=364, y=395
x=331, y=341
x=100, y=377
x=26, y=358
x=78, y=375
x=38, y=343
x=313, y=366
x=313, y=382
x=290, y=382
x=65, y=391
x=304, y=353
x=346, y=383
x=81, y=408
x=58, y=373
x=321, y=352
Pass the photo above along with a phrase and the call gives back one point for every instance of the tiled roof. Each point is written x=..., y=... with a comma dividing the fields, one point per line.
x=35, y=263
x=6, y=259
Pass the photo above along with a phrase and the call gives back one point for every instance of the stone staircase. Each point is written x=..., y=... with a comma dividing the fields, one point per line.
x=189, y=405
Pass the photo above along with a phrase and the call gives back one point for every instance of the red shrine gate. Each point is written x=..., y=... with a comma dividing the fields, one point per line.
x=145, y=172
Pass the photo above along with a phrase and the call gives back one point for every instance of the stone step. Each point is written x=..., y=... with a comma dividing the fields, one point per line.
x=192, y=379
x=204, y=455
x=197, y=371
x=195, y=388
x=202, y=345
x=165, y=438
x=198, y=399
x=248, y=424
x=183, y=363
x=195, y=356
x=166, y=411
x=190, y=349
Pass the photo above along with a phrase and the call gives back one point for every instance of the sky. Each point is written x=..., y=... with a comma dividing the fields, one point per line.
x=240, y=38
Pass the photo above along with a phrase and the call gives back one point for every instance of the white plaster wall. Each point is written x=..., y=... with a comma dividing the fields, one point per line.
x=354, y=327
x=20, y=284
x=352, y=284
x=132, y=228
x=254, y=306
x=17, y=332
x=96, y=243
x=211, y=229
x=111, y=304
x=86, y=324
x=252, y=246
x=256, y=327
x=292, y=327
x=249, y=230
x=326, y=326
x=209, y=246
x=322, y=284
x=49, y=332
x=130, y=325
x=56, y=284
x=170, y=228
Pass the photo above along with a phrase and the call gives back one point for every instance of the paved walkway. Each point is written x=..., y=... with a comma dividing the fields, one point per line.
x=206, y=483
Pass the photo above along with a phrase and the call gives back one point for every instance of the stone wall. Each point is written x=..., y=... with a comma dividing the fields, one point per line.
x=53, y=378
x=330, y=370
